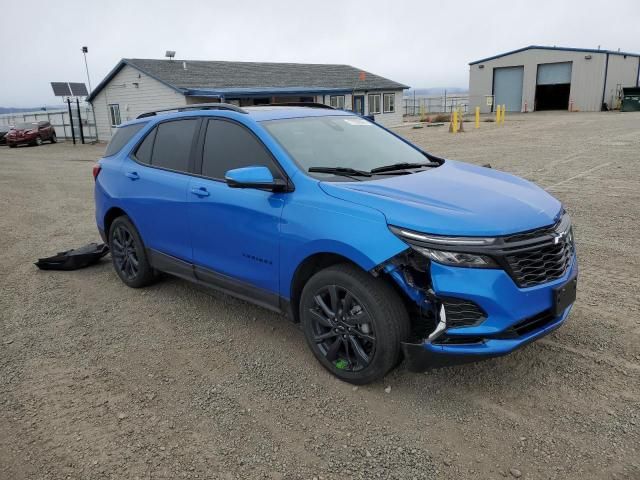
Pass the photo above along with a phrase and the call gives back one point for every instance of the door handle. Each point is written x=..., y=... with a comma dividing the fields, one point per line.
x=133, y=175
x=200, y=191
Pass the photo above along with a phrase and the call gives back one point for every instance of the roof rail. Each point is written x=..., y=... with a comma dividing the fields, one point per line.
x=195, y=106
x=297, y=104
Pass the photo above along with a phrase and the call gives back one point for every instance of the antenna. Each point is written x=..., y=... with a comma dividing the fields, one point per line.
x=170, y=54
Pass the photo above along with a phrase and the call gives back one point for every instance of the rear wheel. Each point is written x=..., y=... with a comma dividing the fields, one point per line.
x=53, y=138
x=353, y=323
x=128, y=254
x=12, y=145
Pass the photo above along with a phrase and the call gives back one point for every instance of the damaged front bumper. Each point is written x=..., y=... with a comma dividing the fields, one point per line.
x=512, y=317
x=423, y=356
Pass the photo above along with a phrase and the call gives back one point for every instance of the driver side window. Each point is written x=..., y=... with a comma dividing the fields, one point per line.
x=228, y=145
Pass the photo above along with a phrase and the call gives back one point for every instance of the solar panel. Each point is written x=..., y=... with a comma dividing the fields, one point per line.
x=61, y=89
x=78, y=89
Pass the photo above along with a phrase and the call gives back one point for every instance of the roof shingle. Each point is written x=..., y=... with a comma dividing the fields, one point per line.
x=213, y=75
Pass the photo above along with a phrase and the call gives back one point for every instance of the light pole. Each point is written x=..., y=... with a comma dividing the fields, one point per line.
x=85, y=50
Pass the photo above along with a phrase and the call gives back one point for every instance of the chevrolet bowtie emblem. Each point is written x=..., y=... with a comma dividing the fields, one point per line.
x=558, y=236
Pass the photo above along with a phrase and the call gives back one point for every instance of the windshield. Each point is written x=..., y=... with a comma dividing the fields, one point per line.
x=341, y=141
x=26, y=126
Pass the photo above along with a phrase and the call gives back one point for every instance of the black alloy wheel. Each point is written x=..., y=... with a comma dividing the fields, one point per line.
x=124, y=253
x=128, y=254
x=342, y=328
x=353, y=322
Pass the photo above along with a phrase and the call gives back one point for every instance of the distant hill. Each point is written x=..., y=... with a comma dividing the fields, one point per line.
x=434, y=91
x=31, y=109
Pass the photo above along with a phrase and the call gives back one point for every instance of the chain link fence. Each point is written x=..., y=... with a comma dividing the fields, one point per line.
x=60, y=120
x=418, y=105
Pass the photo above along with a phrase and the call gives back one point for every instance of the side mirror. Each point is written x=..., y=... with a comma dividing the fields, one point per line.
x=254, y=177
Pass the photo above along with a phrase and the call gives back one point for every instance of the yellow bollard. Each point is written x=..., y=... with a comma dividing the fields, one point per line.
x=477, y=117
x=504, y=110
x=498, y=112
x=455, y=121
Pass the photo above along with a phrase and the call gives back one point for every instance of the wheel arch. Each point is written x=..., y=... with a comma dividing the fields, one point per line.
x=111, y=215
x=306, y=269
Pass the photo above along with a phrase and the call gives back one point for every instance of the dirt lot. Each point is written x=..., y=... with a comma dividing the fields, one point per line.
x=101, y=381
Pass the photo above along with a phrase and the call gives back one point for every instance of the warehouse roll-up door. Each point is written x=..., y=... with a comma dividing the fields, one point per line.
x=507, y=87
x=553, y=85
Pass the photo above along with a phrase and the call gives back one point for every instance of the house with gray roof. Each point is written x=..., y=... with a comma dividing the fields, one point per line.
x=136, y=86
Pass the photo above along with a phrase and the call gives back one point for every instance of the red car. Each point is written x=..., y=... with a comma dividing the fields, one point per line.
x=31, y=133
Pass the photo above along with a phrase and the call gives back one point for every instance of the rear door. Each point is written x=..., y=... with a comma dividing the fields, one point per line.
x=157, y=177
x=235, y=231
x=507, y=87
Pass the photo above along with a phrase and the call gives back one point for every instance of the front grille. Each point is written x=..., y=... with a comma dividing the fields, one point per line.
x=462, y=313
x=540, y=264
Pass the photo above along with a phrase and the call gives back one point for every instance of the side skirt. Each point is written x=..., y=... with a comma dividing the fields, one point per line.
x=217, y=281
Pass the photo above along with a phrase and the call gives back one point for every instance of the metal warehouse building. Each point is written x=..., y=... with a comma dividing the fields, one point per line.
x=552, y=78
x=136, y=86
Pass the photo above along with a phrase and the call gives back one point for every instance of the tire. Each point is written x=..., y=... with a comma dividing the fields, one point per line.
x=37, y=142
x=367, y=308
x=53, y=138
x=12, y=145
x=126, y=249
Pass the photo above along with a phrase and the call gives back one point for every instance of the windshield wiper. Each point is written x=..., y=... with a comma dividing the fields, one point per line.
x=402, y=166
x=345, y=171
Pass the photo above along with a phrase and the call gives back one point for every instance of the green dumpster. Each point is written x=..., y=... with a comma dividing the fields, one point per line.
x=630, y=99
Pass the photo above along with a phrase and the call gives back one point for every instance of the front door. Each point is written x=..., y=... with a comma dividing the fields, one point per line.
x=235, y=231
x=358, y=104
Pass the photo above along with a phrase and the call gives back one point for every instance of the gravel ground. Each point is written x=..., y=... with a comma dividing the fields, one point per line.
x=101, y=381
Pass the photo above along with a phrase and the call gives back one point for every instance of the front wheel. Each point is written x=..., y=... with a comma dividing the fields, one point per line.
x=54, y=139
x=353, y=323
x=37, y=142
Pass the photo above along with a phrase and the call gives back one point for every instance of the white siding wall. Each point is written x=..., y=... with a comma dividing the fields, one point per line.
x=621, y=71
x=149, y=95
x=587, y=77
x=385, y=119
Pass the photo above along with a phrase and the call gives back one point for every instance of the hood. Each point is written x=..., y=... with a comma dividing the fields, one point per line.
x=454, y=199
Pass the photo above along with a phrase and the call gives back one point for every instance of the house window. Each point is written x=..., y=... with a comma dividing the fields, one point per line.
x=337, y=101
x=374, y=103
x=114, y=114
x=389, y=102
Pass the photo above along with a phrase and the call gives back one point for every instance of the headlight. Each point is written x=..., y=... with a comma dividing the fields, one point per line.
x=445, y=249
x=458, y=259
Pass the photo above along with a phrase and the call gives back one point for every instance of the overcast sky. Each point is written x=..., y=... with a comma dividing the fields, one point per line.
x=420, y=43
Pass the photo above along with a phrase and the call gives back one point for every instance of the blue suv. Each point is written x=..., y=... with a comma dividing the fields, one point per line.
x=380, y=250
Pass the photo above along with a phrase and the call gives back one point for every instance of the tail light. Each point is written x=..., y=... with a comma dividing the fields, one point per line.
x=96, y=170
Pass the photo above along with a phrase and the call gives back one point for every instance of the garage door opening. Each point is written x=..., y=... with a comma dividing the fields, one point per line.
x=553, y=86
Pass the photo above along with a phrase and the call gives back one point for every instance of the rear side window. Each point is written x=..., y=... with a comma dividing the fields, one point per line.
x=172, y=146
x=228, y=145
x=121, y=137
x=143, y=154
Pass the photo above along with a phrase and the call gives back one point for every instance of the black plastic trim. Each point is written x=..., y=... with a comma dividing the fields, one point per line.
x=218, y=281
x=237, y=288
x=195, y=106
x=172, y=265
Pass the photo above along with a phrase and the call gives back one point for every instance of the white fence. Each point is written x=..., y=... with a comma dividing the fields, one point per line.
x=59, y=119
x=435, y=104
